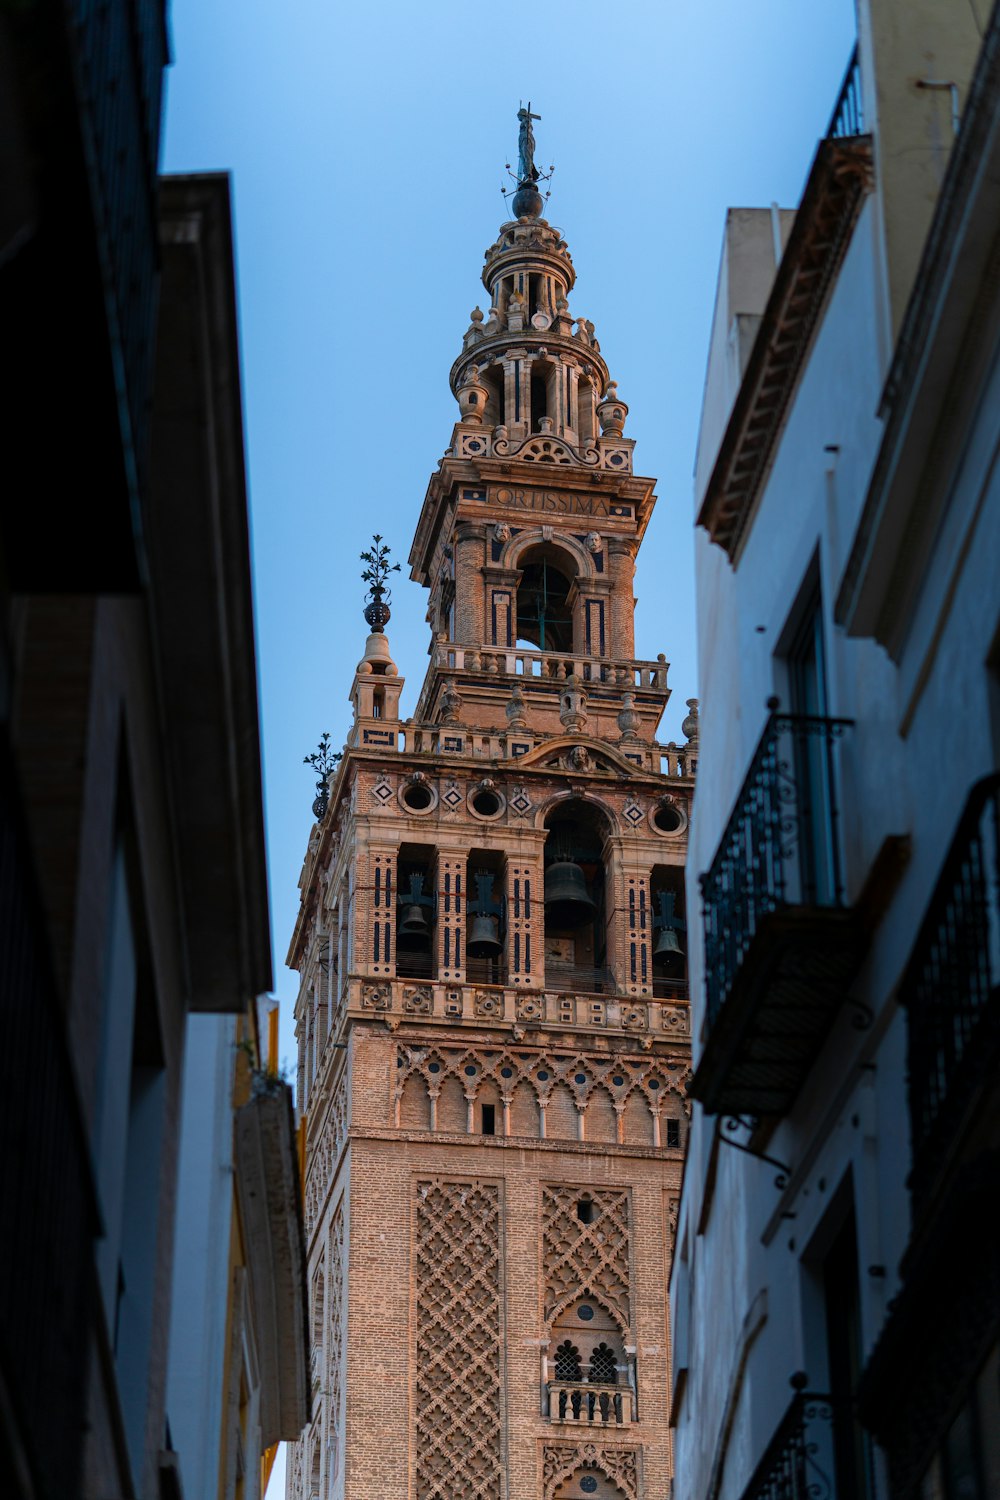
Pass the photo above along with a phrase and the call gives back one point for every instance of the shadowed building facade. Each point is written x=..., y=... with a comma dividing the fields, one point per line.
x=493, y=1019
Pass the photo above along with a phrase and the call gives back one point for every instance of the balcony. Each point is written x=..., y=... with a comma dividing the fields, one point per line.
x=951, y=992
x=581, y=1403
x=780, y=944
x=798, y=1463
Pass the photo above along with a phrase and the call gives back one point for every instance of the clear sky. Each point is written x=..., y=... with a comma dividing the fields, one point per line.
x=367, y=146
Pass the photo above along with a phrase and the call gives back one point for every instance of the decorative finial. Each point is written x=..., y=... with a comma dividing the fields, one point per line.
x=323, y=760
x=527, y=201
x=375, y=575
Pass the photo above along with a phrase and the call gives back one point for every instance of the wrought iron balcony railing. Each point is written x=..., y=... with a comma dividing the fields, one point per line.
x=779, y=942
x=951, y=989
x=848, y=112
x=798, y=1463
x=590, y=1405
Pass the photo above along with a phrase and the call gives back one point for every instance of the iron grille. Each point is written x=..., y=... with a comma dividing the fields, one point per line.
x=798, y=1461
x=848, y=112
x=951, y=987
x=780, y=848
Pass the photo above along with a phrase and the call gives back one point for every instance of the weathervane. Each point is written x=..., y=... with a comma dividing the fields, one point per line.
x=527, y=200
x=376, y=576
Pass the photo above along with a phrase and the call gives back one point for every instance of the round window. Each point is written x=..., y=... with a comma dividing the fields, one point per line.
x=417, y=797
x=667, y=818
x=486, y=802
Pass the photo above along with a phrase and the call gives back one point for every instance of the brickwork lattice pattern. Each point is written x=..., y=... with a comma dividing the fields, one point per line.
x=458, y=1357
x=586, y=1257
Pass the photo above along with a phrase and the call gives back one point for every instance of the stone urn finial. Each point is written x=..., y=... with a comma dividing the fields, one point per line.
x=628, y=719
x=472, y=397
x=516, y=708
x=572, y=706
x=689, y=725
x=612, y=411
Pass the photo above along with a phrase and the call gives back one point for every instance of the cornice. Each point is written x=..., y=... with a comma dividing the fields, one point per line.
x=840, y=178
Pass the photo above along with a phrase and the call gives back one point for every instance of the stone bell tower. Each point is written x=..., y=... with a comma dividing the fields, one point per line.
x=493, y=1017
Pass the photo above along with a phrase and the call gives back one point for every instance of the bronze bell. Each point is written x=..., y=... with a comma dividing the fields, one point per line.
x=414, y=930
x=668, y=953
x=568, y=903
x=484, y=938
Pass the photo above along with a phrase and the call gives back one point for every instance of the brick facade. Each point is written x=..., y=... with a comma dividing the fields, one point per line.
x=493, y=1018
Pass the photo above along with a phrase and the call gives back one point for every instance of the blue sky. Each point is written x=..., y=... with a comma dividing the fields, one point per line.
x=367, y=147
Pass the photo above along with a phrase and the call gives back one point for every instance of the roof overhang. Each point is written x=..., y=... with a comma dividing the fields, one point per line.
x=840, y=177
x=201, y=603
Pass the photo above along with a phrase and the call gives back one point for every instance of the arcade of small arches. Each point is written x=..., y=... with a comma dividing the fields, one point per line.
x=542, y=1095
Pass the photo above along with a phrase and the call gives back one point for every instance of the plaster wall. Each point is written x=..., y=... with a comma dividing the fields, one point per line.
x=200, y=1297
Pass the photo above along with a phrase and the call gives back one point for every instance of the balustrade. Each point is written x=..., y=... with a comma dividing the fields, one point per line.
x=588, y=1404
x=798, y=1461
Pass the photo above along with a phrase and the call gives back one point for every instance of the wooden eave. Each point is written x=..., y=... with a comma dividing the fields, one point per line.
x=841, y=175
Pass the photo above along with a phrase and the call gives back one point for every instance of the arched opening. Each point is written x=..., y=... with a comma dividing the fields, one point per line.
x=488, y=1114
x=586, y=414
x=544, y=614
x=485, y=934
x=587, y=1483
x=415, y=909
x=415, y=1104
x=539, y=396
x=575, y=919
x=666, y=885
x=588, y=1367
x=492, y=379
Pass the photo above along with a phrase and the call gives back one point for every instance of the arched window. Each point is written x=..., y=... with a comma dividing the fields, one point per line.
x=575, y=941
x=603, y=1367
x=568, y=1364
x=544, y=615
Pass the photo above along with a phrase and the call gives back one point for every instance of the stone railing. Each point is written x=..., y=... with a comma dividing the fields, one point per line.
x=584, y=1404
x=398, y=1001
x=553, y=666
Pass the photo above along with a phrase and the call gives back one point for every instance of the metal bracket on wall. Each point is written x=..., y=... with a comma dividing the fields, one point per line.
x=735, y=1122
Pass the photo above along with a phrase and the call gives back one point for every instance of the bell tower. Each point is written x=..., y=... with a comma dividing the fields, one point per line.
x=493, y=1017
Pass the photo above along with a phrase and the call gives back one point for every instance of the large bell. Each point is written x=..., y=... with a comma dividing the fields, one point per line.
x=668, y=953
x=567, y=900
x=414, y=930
x=484, y=938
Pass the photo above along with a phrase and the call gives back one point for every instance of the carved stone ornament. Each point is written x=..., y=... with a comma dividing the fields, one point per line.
x=451, y=703
x=619, y=1465
x=516, y=708
x=377, y=997
x=594, y=541
x=453, y=1003
x=628, y=719
x=501, y=532
x=418, y=999
x=572, y=706
x=634, y=1017
x=529, y=1008
x=489, y=1003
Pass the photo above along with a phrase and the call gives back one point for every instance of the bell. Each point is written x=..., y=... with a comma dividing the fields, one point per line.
x=668, y=952
x=414, y=930
x=484, y=938
x=567, y=900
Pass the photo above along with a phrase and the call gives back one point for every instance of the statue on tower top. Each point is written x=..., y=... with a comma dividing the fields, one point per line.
x=526, y=169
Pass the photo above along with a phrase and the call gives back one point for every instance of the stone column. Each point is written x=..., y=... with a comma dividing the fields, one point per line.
x=469, y=541
x=621, y=565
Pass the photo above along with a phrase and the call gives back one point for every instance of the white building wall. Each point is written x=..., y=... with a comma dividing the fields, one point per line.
x=201, y=1259
x=746, y=1291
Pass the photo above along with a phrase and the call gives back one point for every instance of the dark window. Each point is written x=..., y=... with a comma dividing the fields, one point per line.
x=585, y=1211
x=843, y=1335
x=673, y=1132
x=489, y=1119
x=568, y=1365
x=603, y=1368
